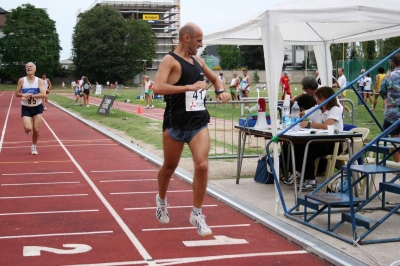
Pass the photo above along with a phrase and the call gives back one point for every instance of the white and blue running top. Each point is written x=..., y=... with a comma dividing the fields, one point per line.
x=32, y=88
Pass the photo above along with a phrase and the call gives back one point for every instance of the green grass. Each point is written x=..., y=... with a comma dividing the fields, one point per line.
x=361, y=119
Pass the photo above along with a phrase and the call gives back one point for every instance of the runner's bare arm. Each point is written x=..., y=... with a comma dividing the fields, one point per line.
x=42, y=93
x=169, y=73
x=18, y=91
x=223, y=97
x=48, y=82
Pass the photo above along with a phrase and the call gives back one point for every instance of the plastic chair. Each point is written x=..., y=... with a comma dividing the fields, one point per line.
x=358, y=144
x=344, y=157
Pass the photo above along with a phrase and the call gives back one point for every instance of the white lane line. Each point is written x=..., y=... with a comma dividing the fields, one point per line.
x=48, y=212
x=59, y=234
x=129, y=180
x=149, y=192
x=193, y=227
x=140, y=248
x=2, y=94
x=112, y=171
x=47, y=173
x=48, y=141
x=68, y=145
x=5, y=124
x=44, y=196
x=169, y=207
x=197, y=259
x=223, y=257
x=44, y=183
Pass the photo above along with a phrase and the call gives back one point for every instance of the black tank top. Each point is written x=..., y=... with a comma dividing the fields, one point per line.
x=175, y=115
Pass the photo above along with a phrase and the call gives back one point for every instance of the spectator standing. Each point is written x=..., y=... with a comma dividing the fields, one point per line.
x=367, y=89
x=86, y=86
x=341, y=83
x=245, y=87
x=360, y=85
x=47, y=86
x=285, y=83
x=378, y=81
x=390, y=91
x=234, y=87
x=148, y=92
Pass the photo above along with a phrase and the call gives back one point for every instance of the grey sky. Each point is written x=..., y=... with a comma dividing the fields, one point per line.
x=208, y=14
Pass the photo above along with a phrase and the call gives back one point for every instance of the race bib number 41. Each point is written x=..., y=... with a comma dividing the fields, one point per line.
x=195, y=100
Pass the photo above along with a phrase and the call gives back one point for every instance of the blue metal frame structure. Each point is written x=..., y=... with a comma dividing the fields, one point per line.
x=345, y=200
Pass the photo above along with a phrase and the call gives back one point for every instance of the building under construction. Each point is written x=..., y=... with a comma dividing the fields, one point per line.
x=162, y=15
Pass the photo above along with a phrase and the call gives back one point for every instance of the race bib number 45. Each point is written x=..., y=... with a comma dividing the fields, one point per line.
x=195, y=100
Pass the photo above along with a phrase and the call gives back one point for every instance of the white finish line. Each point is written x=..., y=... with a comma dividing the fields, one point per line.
x=149, y=192
x=111, y=171
x=169, y=207
x=128, y=180
x=218, y=241
x=192, y=227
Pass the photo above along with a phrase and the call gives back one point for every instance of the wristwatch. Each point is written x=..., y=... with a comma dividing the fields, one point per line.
x=308, y=125
x=219, y=91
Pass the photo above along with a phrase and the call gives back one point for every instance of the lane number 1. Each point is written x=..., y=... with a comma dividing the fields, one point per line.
x=30, y=251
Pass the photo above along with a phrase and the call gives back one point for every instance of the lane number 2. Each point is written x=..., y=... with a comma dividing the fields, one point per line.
x=30, y=251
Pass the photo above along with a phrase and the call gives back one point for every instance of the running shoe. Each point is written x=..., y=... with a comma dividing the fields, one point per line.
x=290, y=181
x=33, y=150
x=309, y=184
x=162, y=212
x=45, y=108
x=198, y=220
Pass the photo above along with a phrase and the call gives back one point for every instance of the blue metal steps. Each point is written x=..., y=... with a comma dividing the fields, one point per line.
x=373, y=169
x=359, y=219
x=389, y=187
x=312, y=204
x=333, y=199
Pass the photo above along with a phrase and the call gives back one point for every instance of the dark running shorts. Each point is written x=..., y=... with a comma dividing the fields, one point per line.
x=31, y=111
x=395, y=132
x=183, y=135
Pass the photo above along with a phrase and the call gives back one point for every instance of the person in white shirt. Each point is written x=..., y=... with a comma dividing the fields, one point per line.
x=367, y=89
x=360, y=85
x=341, y=84
x=329, y=114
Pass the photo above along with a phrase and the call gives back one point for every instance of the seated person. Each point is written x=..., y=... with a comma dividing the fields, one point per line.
x=329, y=114
x=306, y=101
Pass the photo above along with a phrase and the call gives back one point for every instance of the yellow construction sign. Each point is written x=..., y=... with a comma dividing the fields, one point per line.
x=151, y=17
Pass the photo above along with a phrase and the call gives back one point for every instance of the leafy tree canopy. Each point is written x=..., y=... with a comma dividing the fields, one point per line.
x=29, y=35
x=108, y=47
x=230, y=56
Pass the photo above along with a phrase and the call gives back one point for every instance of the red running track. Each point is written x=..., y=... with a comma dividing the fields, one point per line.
x=86, y=200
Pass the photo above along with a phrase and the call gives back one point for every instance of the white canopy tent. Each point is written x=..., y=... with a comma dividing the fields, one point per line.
x=308, y=22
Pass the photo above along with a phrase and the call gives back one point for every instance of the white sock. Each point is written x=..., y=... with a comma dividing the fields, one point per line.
x=197, y=210
x=162, y=201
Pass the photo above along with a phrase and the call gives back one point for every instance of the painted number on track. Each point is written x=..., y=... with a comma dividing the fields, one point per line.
x=218, y=241
x=30, y=251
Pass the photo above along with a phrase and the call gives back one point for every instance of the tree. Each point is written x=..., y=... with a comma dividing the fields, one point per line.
x=387, y=46
x=368, y=50
x=29, y=35
x=108, y=47
x=253, y=56
x=230, y=56
x=141, y=46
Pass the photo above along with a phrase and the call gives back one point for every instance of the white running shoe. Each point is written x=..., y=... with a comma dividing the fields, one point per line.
x=162, y=212
x=33, y=150
x=198, y=220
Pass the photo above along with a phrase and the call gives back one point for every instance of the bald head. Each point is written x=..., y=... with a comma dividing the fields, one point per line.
x=189, y=29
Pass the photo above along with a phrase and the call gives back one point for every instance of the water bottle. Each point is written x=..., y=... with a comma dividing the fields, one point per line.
x=295, y=116
x=286, y=115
